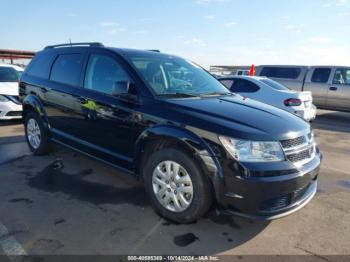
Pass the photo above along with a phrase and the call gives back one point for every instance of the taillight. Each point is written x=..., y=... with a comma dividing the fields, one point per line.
x=292, y=102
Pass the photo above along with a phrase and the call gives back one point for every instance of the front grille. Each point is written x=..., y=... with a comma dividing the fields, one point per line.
x=297, y=194
x=300, y=149
x=300, y=156
x=277, y=203
x=14, y=113
x=293, y=142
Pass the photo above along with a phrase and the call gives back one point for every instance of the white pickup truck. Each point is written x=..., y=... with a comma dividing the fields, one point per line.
x=330, y=85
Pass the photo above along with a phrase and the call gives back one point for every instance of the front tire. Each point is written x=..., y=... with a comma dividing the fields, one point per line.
x=178, y=190
x=36, y=134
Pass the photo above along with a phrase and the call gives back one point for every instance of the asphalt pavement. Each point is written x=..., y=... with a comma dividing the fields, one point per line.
x=67, y=203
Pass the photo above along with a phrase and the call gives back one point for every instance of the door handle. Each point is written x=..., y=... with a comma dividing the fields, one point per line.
x=333, y=88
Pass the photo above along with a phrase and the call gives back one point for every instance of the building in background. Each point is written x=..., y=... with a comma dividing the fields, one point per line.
x=16, y=57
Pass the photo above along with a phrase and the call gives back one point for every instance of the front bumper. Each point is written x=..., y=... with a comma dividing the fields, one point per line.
x=10, y=110
x=272, y=194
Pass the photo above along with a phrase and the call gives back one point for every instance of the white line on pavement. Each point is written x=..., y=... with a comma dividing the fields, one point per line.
x=9, y=244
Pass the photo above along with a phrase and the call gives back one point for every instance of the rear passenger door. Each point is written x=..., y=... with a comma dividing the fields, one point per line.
x=62, y=93
x=339, y=90
x=317, y=82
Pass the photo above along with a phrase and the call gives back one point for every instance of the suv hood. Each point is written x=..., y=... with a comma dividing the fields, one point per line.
x=239, y=117
x=9, y=88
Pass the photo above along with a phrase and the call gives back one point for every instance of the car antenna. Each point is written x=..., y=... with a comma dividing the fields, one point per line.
x=70, y=41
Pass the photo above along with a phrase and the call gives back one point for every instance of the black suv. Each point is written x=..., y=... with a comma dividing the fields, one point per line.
x=169, y=123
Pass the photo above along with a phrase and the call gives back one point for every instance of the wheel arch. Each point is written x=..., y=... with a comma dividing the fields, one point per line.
x=166, y=136
x=31, y=103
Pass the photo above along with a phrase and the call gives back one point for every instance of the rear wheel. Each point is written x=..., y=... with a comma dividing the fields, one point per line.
x=176, y=186
x=36, y=134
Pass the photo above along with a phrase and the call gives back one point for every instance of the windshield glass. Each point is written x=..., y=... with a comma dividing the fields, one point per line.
x=8, y=74
x=274, y=84
x=168, y=75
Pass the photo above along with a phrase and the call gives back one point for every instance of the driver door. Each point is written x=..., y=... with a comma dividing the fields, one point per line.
x=110, y=123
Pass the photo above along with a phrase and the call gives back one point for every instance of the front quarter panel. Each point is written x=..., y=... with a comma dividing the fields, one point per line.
x=189, y=141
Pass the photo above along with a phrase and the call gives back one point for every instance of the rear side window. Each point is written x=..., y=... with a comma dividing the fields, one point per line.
x=321, y=75
x=103, y=73
x=244, y=86
x=281, y=72
x=342, y=76
x=40, y=65
x=227, y=82
x=8, y=74
x=67, y=68
x=274, y=84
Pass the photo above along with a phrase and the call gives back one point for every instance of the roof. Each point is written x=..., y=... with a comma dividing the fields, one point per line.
x=138, y=52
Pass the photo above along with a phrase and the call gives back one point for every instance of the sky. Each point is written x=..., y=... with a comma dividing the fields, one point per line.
x=209, y=32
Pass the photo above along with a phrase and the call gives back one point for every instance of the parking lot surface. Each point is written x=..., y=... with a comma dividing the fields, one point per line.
x=66, y=203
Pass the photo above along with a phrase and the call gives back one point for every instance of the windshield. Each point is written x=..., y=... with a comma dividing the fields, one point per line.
x=9, y=74
x=168, y=75
x=274, y=84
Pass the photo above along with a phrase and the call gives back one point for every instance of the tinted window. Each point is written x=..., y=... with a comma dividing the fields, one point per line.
x=342, y=76
x=67, y=68
x=243, y=86
x=274, y=84
x=103, y=73
x=321, y=75
x=40, y=65
x=8, y=74
x=281, y=72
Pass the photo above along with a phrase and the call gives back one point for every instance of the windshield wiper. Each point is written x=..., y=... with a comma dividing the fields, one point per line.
x=178, y=95
x=216, y=94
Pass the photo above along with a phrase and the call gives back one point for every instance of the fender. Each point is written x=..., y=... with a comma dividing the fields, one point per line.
x=33, y=103
x=191, y=142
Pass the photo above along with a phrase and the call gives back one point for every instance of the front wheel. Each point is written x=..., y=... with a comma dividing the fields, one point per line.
x=178, y=189
x=36, y=134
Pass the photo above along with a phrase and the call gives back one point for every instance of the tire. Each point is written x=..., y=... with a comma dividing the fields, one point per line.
x=33, y=125
x=196, y=204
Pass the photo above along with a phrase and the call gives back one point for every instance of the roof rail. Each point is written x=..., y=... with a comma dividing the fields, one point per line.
x=91, y=44
x=154, y=50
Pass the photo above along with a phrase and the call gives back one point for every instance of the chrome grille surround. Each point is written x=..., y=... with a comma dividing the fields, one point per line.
x=300, y=150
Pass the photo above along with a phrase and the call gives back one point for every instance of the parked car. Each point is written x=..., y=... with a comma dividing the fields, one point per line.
x=330, y=85
x=273, y=93
x=10, y=106
x=242, y=72
x=168, y=122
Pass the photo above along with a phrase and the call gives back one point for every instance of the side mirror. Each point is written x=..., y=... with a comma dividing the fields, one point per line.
x=125, y=90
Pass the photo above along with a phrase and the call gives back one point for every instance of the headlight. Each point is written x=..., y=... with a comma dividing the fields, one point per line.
x=253, y=151
x=3, y=98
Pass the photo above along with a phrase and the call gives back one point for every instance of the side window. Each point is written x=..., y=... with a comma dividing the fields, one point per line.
x=244, y=86
x=321, y=75
x=227, y=83
x=102, y=74
x=342, y=76
x=281, y=72
x=40, y=65
x=67, y=68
